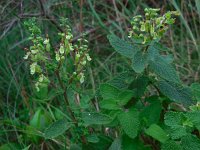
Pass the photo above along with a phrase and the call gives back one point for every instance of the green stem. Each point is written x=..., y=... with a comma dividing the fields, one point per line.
x=66, y=98
x=83, y=138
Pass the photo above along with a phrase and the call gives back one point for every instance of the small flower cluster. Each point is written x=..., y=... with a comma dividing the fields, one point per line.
x=80, y=50
x=41, y=58
x=152, y=26
x=37, y=53
x=65, y=45
x=81, y=58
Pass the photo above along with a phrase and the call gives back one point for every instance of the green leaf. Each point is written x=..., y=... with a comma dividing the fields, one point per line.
x=168, y=58
x=51, y=95
x=197, y=2
x=194, y=118
x=114, y=104
x=122, y=80
x=195, y=87
x=42, y=93
x=176, y=132
x=33, y=134
x=173, y=119
x=139, y=85
x=139, y=62
x=190, y=142
x=124, y=97
x=160, y=47
x=57, y=128
x=130, y=122
x=75, y=147
x=163, y=69
x=152, y=52
x=93, y=138
x=10, y=146
x=176, y=92
x=171, y=145
x=40, y=120
x=151, y=114
x=93, y=118
x=26, y=148
x=103, y=144
x=157, y=133
x=122, y=47
x=58, y=114
x=133, y=144
x=108, y=91
x=109, y=104
x=116, y=144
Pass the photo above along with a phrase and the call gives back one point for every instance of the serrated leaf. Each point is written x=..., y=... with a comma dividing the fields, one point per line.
x=168, y=58
x=57, y=128
x=122, y=47
x=157, y=133
x=139, y=85
x=108, y=91
x=171, y=145
x=130, y=122
x=93, y=118
x=122, y=80
x=176, y=92
x=160, y=47
x=109, y=104
x=124, y=97
x=190, y=142
x=173, y=118
x=116, y=144
x=163, y=69
x=139, y=62
x=152, y=52
x=176, y=132
x=195, y=87
x=194, y=118
x=151, y=114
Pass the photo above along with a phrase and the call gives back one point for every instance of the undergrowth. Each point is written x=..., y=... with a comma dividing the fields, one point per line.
x=63, y=95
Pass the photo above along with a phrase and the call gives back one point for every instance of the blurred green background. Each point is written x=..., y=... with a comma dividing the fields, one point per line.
x=96, y=18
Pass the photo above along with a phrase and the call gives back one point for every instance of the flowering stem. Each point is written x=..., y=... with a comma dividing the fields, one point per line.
x=83, y=138
x=66, y=99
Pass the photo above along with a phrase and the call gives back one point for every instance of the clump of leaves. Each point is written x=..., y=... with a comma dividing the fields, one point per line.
x=155, y=91
x=145, y=108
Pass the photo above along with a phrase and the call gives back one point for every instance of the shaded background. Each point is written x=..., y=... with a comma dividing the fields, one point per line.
x=96, y=18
